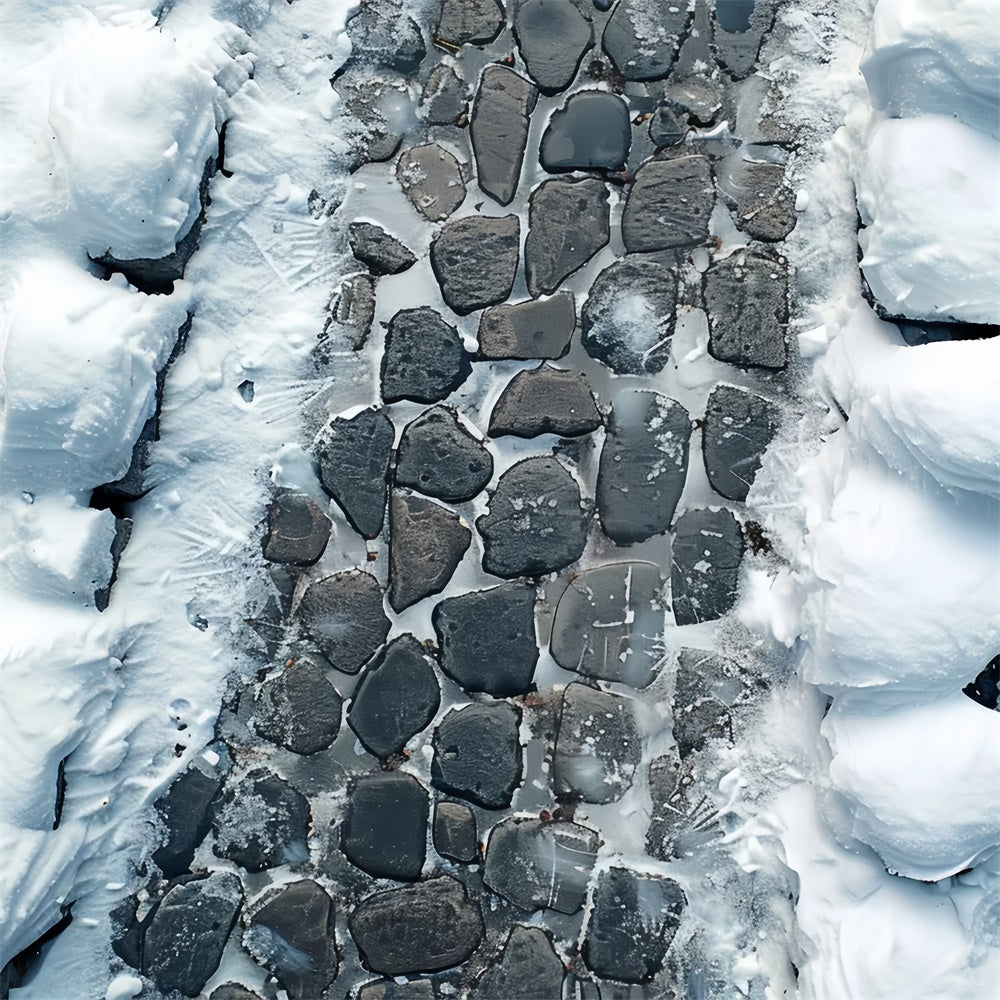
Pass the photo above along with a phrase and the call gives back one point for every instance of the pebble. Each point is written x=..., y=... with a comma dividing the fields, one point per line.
x=445, y=98
x=738, y=427
x=352, y=310
x=475, y=261
x=536, y=328
x=545, y=400
x=528, y=967
x=297, y=530
x=432, y=180
x=381, y=252
x=643, y=37
x=455, y=834
x=706, y=555
x=424, y=359
x=185, y=815
x=706, y=687
x=383, y=36
x=469, y=22
x=552, y=36
x=299, y=709
x=592, y=132
x=669, y=205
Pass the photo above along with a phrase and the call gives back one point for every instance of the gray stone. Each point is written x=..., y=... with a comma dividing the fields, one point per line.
x=706, y=555
x=536, y=328
x=439, y=457
x=528, y=967
x=537, y=521
x=487, y=639
x=477, y=754
x=380, y=106
x=427, y=542
x=432, y=179
x=747, y=301
x=706, y=688
x=633, y=920
x=499, y=130
x=353, y=455
x=424, y=359
x=299, y=709
x=445, y=97
x=389, y=989
x=765, y=203
x=455, y=834
x=667, y=126
x=420, y=928
x=185, y=815
x=643, y=466
x=233, y=991
x=592, y=132
x=352, y=310
x=739, y=29
x=382, y=35
x=697, y=96
x=187, y=932
x=382, y=253
x=545, y=400
x=297, y=530
x=668, y=808
x=552, y=35
x=469, y=22
x=628, y=318
x=598, y=746
x=397, y=697
x=385, y=825
x=643, y=38
x=344, y=616
x=669, y=205
x=609, y=623
x=293, y=935
x=540, y=865
x=738, y=427
x=475, y=260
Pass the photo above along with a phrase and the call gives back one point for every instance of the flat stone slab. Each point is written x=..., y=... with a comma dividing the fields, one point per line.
x=185, y=815
x=427, y=542
x=499, y=130
x=343, y=615
x=643, y=466
x=383, y=36
x=528, y=967
x=397, y=697
x=439, y=457
x=445, y=97
x=353, y=454
x=477, y=754
x=669, y=205
x=609, y=623
x=537, y=521
x=538, y=865
x=381, y=252
x=469, y=22
x=545, y=400
x=591, y=132
x=475, y=260
x=420, y=928
x=455, y=834
x=432, y=179
x=706, y=555
x=706, y=688
x=299, y=709
x=536, y=328
x=297, y=530
x=487, y=639
x=552, y=37
x=628, y=318
x=568, y=222
x=738, y=427
x=643, y=39
x=424, y=358
x=765, y=206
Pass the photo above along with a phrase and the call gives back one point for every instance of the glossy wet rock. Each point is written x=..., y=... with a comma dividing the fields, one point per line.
x=553, y=36
x=706, y=555
x=427, y=542
x=421, y=928
x=738, y=427
x=528, y=967
x=379, y=250
x=592, y=132
x=643, y=38
x=349, y=322
x=609, y=623
x=669, y=205
x=424, y=360
x=536, y=328
x=474, y=22
x=383, y=35
x=297, y=530
x=299, y=709
x=739, y=29
x=432, y=179
x=706, y=688
x=545, y=400
x=397, y=697
x=628, y=318
x=643, y=466
x=445, y=97
x=475, y=260
x=438, y=457
x=455, y=835
x=186, y=819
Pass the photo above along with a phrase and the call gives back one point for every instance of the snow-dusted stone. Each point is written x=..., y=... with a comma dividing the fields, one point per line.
x=591, y=132
x=667, y=817
x=536, y=328
x=397, y=697
x=545, y=400
x=747, y=301
x=706, y=554
x=445, y=97
x=343, y=615
x=439, y=457
x=261, y=822
x=706, y=688
x=669, y=205
x=421, y=928
x=383, y=35
x=297, y=530
x=380, y=105
x=643, y=37
x=739, y=28
x=384, y=831
x=432, y=179
x=427, y=542
x=598, y=746
x=353, y=455
x=628, y=318
x=541, y=865
x=396, y=989
x=455, y=834
x=469, y=22
x=487, y=639
x=528, y=967
x=499, y=130
x=609, y=623
x=643, y=465
x=188, y=930
x=738, y=427
x=293, y=935
x=765, y=207
x=380, y=251
x=185, y=815
x=475, y=260
x=568, y=222
x=552, y=35
x=424, y=359
x=299, y=709
x=633, y=920
x=233, y=991
x=352, y=309
x=477, y=754
x=537, y=520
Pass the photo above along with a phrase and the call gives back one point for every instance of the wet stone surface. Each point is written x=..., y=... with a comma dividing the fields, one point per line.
x=669, y=205
x=546, y=400
x=528, y=967
x=474, y=22
x=432, y=180
x=707, y=550
x=380, y=251
x=378, y=104
x=537, y=328
x=739, y=426
x=186, y=819
x=297, y=530
x=706, y=688
x=552, y=36
x=474, y=261
x=643, y=38
x=445, y=97
x=592, y=132
x=455, y=835
x=299, y=709
x=424, y=360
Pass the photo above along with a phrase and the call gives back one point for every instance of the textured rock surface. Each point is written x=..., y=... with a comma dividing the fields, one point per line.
x=643, y=40
x=669, y=205
x=349, y=322
x=546, y=400
x=765, y=203
x=445, y=98
x=706, y=688
x=455, y=832
x=537, y=328
x=475, y=260
x=297, y=530
x=552, y=36
x=473, y=22
x=383, y=253
x=382, y=34
x=299, y=709
x=706, y=555
x=424, y=360
x=739, y=426
x=432, y=180
x=185, y=815
x=592, y=132
x=528, y=967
